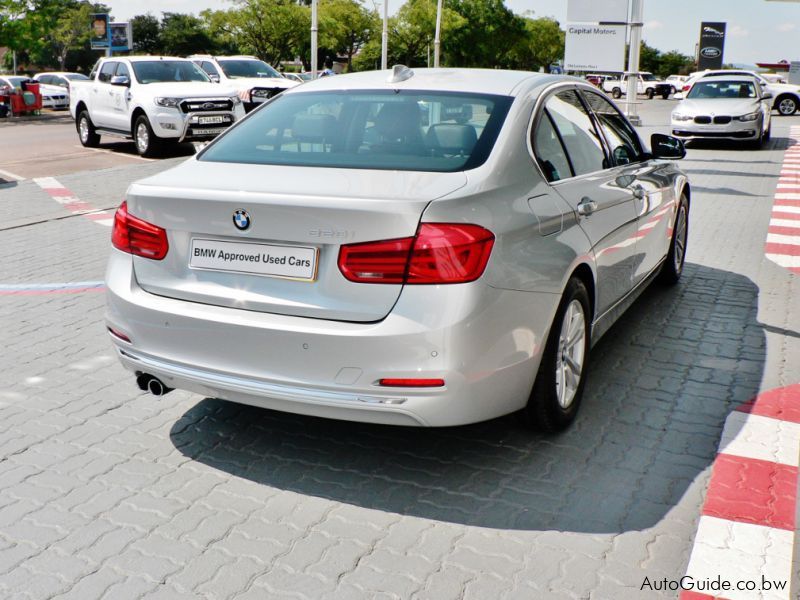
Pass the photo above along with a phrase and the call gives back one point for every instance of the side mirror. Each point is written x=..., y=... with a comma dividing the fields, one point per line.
x=766, y=96
x=121, y=80
x=214, y=78
x=666, y=146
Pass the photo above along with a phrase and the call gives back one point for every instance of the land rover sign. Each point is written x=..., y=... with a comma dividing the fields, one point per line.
x=712, y=45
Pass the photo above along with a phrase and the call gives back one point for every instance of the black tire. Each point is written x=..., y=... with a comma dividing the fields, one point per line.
x=650, y=93
x=616, y=93
x=547, y=410
x=87, y=133
x=665, y=94
x=147, y=143
x=767, y=134
x=672, y=269
x=786, y=105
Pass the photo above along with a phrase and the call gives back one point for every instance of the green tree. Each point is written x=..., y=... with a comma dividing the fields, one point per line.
x=25, y=24
x=346, y=26
x=71, y=31
x=487, y=39
x=146, y=34
x=675, y=63
x=183, y=34
x=542, y=45
x=649, y=58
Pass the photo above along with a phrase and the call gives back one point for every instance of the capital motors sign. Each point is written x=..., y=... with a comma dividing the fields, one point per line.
x=712, y=46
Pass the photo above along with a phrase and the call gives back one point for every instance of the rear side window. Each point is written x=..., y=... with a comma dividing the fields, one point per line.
x=549, y=151
x=622, y=138
x=382, y=129
x=577, y=132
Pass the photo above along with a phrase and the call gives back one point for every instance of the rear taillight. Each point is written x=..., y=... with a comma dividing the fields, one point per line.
x=439, y=253
x=686, y=88
x=135, y=236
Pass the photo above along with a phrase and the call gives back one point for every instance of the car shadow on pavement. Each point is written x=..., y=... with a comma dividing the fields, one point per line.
x=168, y=151
x=660, y=386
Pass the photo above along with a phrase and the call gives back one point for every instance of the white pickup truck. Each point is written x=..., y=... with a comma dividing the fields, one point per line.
x=648, y=85
x=154, y=100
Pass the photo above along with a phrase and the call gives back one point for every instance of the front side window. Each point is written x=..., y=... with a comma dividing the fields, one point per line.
x=107, y=71
x=578, y=134
x=122, y=71
x=622, y=138
x=247, y=68
x=381, y=129
x=160, y=71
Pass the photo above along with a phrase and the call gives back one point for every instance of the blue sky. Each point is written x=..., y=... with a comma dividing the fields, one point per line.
x=758, y=30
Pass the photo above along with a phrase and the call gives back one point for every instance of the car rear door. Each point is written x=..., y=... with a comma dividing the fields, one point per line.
x=583, y=178
x=648, y=181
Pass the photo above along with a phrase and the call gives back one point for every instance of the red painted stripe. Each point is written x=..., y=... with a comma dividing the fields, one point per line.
x=748, y=490
x=786, y=202
x=782, y=230
x=687, y=595
x=48, y=292
x=782, y=404
x=787, y=249
x=778, y=214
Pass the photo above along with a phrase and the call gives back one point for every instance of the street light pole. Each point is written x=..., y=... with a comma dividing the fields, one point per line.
x=637, y=14
x=314, y=38
x=385, y=35
x=436, y=40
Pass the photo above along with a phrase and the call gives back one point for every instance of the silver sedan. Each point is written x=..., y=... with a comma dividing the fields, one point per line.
x=427, y=247
x=730, y=108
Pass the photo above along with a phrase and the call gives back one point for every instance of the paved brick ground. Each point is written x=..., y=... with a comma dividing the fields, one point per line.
x=109, y=493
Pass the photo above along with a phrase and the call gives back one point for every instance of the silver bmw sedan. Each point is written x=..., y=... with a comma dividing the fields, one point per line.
x=414, y=247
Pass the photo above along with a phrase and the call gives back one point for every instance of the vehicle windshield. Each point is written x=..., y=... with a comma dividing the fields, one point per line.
x=722, y=89
x=247, y=68
x=381, y=129
x=160, y=71
x=75, y=77
x=648, y=77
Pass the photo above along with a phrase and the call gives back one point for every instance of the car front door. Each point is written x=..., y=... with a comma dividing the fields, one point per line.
x=120, y=98
x=654, y=198
x=102, y=91
x=583, y=178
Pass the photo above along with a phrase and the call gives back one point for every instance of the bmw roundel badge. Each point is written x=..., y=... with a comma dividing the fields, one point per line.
x=241, y=219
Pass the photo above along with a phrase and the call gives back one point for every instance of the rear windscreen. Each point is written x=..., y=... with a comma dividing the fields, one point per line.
x=384, y=129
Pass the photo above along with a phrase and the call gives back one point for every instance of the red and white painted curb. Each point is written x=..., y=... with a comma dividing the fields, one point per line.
x=747, y=525
x=72, y=203
x=783, y=237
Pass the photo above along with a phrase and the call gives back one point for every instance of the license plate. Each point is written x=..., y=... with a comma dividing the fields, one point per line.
x=211, y=120
x=269, y=260
x=195, y=131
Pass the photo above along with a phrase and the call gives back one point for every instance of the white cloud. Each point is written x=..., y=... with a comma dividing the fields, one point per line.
x=738, y=31
x=786, y=27
x=654, y=25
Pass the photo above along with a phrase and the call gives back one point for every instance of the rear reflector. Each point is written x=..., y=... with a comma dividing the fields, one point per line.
x=411, y=382
x=439, y=253
x=136, y=236
x=119, y=334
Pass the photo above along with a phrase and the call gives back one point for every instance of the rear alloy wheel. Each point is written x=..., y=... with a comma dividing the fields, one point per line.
x=616, y=93
x=676, y=256
x=147, y=143
x=559, y=384
x=86, y=131
x=786, y=105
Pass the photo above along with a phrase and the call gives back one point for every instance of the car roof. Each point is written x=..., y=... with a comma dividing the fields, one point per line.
x=735, y=78
x=480, y=81
x=141, y=58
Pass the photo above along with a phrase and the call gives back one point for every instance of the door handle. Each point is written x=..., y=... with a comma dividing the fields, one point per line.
x=586, y=206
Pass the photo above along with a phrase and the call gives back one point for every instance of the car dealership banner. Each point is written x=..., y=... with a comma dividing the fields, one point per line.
x=712, y=46
x=597, y=11
x=99, y=31
x=591, y=47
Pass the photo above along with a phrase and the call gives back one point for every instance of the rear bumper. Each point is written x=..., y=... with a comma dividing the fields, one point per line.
x=485, y=343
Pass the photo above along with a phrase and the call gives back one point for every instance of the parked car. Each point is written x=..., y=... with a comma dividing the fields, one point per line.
x=52, y=96
x=154, y=100
x=676, y=82
x=253, y=79
x=60, y=79
x=785, y=97
x=299, y=77
x=426, y=247
x=731, y=108
x=597, y=79
x=647, y=84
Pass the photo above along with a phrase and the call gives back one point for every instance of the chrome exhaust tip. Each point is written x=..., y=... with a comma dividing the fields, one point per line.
x=149, y=383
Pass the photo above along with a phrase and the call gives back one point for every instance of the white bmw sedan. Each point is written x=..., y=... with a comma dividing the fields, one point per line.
x=428, y=247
